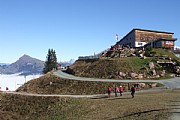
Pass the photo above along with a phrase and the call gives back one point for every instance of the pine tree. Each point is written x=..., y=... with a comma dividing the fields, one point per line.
x=51, y=61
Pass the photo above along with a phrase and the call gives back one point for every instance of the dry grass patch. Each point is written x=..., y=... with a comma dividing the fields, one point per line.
x=145, y=106
x=51, y=84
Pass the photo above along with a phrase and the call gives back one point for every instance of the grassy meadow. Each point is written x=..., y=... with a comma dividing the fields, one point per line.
x=145, y=106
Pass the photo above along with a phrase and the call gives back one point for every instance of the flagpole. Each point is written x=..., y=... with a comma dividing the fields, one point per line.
x=117, y=37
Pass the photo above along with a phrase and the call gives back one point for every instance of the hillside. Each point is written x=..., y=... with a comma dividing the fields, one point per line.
x=51, y=84
x=130, y=67
x=25, y=64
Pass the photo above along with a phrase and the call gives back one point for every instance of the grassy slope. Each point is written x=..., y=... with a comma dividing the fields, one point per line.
x=160, y=52
x=64, y=86
x=143, y=106
x=109, y=68
x=102, y=68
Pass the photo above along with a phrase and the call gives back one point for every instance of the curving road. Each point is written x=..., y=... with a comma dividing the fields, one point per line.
x=173, y=83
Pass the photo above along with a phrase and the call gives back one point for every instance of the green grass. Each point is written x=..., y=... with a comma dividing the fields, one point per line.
x=160, y=52
x=148, y=105
x=135, y=63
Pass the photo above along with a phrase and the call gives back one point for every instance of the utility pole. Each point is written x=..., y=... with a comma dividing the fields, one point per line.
x=25, y=78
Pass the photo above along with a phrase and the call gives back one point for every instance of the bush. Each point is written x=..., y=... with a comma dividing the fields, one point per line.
x=148, y=48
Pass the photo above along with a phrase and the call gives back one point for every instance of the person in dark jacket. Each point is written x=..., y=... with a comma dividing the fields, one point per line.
x=133, y=89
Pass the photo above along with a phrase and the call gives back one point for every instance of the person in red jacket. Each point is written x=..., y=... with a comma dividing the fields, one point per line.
x=120, y=90
x=109, y=91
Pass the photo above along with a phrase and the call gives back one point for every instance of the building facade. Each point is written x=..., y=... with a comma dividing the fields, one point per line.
x=162, y=43
x=141, y=37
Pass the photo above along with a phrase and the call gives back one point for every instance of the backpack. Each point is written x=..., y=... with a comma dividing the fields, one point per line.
x=133, y=89
x=116, y=89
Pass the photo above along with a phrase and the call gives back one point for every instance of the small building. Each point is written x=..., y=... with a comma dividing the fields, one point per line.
x=140, y=37
x=162, y=43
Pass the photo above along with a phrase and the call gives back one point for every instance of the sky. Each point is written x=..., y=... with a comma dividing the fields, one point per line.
x=76, y=28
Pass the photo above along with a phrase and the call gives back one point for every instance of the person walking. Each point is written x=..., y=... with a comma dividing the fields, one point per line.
x=116, y=91
x=133, y=89
x=109, y=91
x=120, y=90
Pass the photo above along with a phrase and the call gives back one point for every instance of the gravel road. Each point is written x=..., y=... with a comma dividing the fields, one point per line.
x=173, y=83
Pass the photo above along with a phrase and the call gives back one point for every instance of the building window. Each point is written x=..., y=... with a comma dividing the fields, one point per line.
x=139, y=43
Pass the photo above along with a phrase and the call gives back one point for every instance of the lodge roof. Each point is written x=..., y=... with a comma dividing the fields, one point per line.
x=147, y=31
x=153, y=31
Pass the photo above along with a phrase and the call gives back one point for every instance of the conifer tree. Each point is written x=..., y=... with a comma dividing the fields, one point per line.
x=51, y=61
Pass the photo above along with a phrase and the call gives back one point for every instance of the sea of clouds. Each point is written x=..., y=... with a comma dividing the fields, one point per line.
x=13, y=81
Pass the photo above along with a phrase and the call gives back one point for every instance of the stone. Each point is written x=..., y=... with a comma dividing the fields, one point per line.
x=177, y=69
x=154, y=85
x=50, y=83
x=133, y=75
x=140, y=76
x=154, y=72
x=122, y=74
x=144, y=57
x=163, y=73
x=141, y=55
x=157, y=76
x=142, y=85
x=134, y=55
x=151, y=65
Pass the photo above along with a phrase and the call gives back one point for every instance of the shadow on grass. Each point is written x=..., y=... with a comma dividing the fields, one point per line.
x=147, y=111
x=115, y=98
x=175, y=112
x=174, y=101
x=102, y=97
x=173, y=105
x=137, y=113
x=111, y=98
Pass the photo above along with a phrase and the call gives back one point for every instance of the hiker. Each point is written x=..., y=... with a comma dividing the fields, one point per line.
x=109, y=91
x=133, y=89
x=120, y=90
x=7, y=88
x=116, y=91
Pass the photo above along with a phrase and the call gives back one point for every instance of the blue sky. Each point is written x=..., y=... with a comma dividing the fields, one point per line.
x=78, y=27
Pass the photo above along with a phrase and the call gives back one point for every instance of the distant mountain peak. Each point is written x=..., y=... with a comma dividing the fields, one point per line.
x=25, y=56
x=24, y=64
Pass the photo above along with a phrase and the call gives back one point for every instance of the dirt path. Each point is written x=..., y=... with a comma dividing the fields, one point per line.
x=173, y=83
